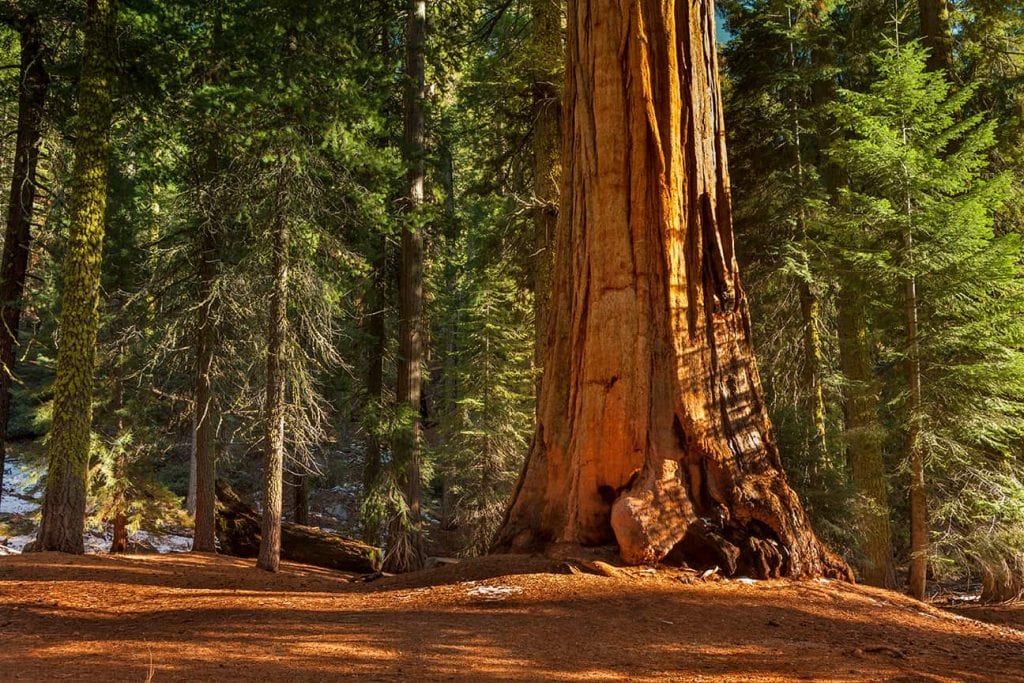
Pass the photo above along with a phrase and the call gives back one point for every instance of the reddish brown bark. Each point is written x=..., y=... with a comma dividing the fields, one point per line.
x=937, y=35
x=405, y=541
x=652, y=430
x=119, y=544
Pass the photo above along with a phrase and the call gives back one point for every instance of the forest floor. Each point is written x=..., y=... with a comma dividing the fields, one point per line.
x=201, y=617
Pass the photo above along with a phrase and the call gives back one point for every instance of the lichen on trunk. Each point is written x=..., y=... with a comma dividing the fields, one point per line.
x=652, y=430
x=63, y=514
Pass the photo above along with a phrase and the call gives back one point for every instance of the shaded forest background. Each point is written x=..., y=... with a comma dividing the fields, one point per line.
x=876, y=154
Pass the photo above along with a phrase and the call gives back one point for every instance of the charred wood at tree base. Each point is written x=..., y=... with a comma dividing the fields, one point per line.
x=702, y=548
x=680, y=434
x=610, y=495
x=733, y=551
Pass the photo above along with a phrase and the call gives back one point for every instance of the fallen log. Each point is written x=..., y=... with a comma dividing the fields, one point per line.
x=238, y=533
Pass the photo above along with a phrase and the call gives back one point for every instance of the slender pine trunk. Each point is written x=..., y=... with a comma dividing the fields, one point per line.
x=915, y=455
x=864, y=443
x=190, y=496
x=547, y=55
x=207, y=247
x=406, y=543
x=204, y=536
x=33, y=83
x=814, y=400
x=119, y=543
x=377, y=333
x=270, y=529
x=376, y=329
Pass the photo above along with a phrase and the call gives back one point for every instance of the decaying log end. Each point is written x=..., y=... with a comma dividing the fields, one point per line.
x=238, y=532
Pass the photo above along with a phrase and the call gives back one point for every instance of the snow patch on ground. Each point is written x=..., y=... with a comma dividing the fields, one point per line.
x=164, y=543
x=493, y=592
x=15, y=544
x=20, y=484
x=22, y=497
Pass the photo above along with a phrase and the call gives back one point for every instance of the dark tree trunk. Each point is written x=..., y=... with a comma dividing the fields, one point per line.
x=376, y=329
x=300, y=500
x=652, y=428
x=914, y=447
x=63, y=514
x=377, y=333
x=207, y=247
x=547, y=58
x=937, y=35
x=405, y=546
x=120, y=542
x=204, y=539
x=864, y=444
x=33, y=82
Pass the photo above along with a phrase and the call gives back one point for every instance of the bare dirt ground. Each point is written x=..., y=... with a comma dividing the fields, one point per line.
x=187, y=617
x=1011, y=614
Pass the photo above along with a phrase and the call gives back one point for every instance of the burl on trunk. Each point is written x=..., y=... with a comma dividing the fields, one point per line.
x=652, y=430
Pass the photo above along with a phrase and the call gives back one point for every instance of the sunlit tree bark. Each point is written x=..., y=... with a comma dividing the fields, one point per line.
x=652, y=427
x=63, y=515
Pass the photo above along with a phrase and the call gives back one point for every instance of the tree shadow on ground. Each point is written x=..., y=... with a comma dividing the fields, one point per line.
x=556, y=628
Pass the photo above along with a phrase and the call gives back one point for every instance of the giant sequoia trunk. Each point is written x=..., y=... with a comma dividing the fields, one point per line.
x=33, y=82
x=63, y=520
x=652, y=430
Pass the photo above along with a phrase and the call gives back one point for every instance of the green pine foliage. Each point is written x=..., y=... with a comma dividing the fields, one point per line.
x=234, y=115
x=488, y=412
x=917, y=165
